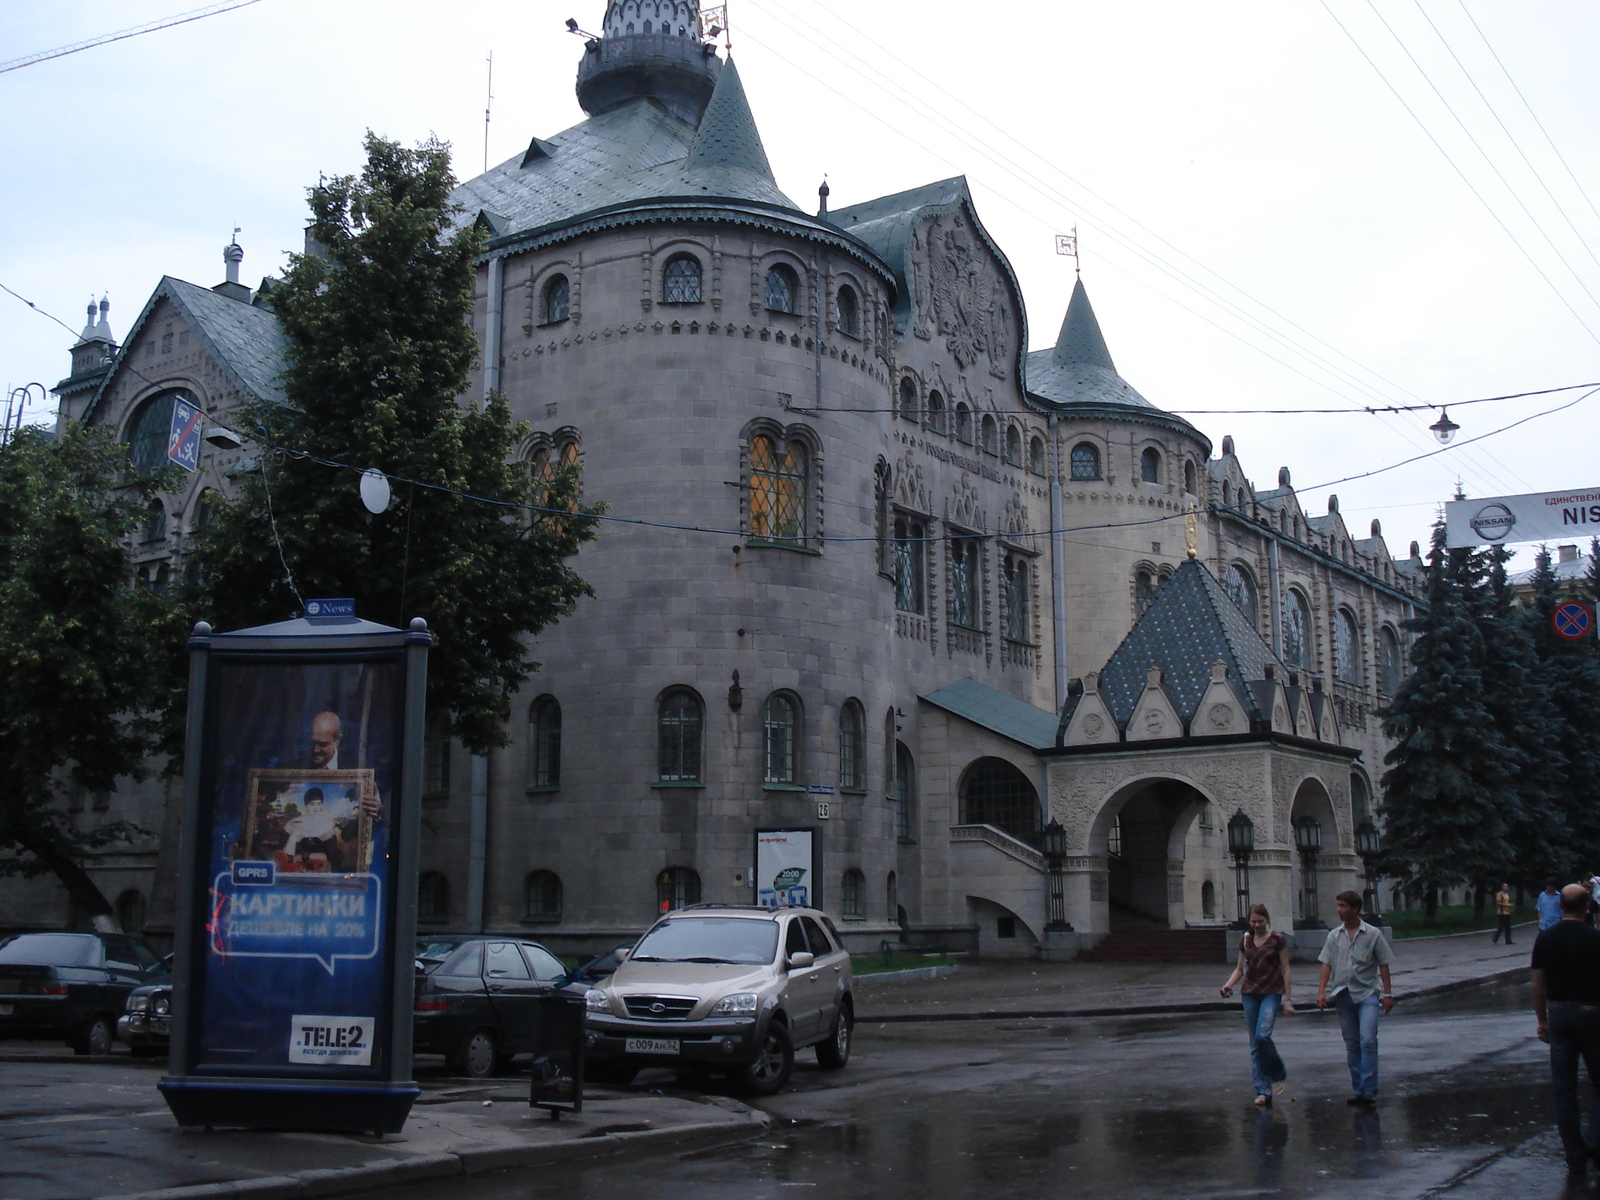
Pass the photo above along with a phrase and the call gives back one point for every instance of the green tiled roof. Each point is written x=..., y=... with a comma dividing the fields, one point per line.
x=995, y=710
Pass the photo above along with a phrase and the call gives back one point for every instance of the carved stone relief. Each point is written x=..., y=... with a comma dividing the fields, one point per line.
x=910, y=490
x=957, y=279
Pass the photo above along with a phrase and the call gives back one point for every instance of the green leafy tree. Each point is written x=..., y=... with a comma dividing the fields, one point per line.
x=83, y=651
x=1450, y=806
x=380, y=350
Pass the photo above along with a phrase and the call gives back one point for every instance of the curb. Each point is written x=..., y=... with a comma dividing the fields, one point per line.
x=1439, y=937
x=341, y=1181
x=909, y=973
x=1154, y=1010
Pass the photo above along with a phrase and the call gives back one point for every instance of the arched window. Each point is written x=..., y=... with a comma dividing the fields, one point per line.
x=852, y=747
x=1297, y=651
x=1036, y=455
x=936, y=412
x=905, y=792
x=436, y=759
x=1144, y=591
x=155, y=522
x=1188, y=477
x=782, y=288
x=433, y=898
x=964, y=596
x=1017, y=623
x=1226, y=493
x=557, y=300
x=131, y=910
x=1360, y=802
x=1389, y=672
x=205, y=511
x=1085, y=461
x=780, y=737
x=544, y=742
x=852, y=886
x=777, y=492
x=679, y=717
x=148, y=432
x=989, y=435
x=908, y=564
x=994, y=792
x=908, y=398
x=1150, y=465
x=677, y=887
x=680, y=280
x=1208, y=900
x=849, y=312
x=1346, y=647
x=1241, y=590
x=542, y=890
x=963, y=422
x=1013, y=445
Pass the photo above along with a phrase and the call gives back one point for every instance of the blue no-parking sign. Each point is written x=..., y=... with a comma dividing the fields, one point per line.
x=183, y=437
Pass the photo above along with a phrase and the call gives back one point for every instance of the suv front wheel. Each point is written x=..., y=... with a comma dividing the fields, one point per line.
x=766, y=1074
x=834, y=1050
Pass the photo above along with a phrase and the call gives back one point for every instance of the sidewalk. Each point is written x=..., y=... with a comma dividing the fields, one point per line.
x=1024, y=988
x=97, y=1128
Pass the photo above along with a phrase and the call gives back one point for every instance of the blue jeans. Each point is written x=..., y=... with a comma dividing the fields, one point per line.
x=1358, y=1021
x=1260, y=1016
x=1574, y=1035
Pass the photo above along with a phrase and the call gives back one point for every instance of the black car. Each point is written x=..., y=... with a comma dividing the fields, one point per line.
x=480, y=1005
x=71, y=985
x=146, y=1020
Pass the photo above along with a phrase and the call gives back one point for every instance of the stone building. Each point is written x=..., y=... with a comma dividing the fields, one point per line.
x=894, y=582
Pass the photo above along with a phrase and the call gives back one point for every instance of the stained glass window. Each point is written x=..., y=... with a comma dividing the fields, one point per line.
x=1017, y=600
x=1085, y=461
x=680, y=280
x=1236, y=582
x=781, y=289
x=1388, y=662
x=777, y=492
x=1296, y=630
x=557, y=296
x=908, y=565
x=964, y=608
x=1346, y=648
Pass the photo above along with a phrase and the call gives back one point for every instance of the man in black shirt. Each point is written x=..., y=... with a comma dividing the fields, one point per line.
x=1566, y=1002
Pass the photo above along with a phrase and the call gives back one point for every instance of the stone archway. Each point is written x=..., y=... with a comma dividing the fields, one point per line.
x=1140, y=834
x=1311, y=881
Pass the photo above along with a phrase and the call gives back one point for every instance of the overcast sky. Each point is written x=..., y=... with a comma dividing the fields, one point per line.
x=1264, y=222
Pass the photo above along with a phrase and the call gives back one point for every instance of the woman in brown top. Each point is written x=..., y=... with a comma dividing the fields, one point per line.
x=1267, y=990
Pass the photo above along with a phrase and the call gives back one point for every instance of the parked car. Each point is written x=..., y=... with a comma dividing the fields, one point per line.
x=725, y=988
x=433, y=949
x=480, y=1005
x=598, y=969
x=146, y=1020
x=71, y=985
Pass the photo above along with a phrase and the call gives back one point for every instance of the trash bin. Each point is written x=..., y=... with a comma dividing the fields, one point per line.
x=557, y=1083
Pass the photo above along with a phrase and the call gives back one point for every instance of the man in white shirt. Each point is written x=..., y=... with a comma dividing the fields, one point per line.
x=1354, y=958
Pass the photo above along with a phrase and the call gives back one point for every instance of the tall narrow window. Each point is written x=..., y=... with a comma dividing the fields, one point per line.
x=542, y=890
x=905, y=792
x=433, y=898
x=436, y=760
x=964, y=596
x=780, y=730
x=936, y=412
x=908, y=398
x=1188, y=478
x=1085, y=461
x=852, y=747
x=680, y=280
x=963, y=422
x=851, y=886
x=1036, y=455
x=1388, y=661
x=1017, y=624
x=1013, y=445
x=908, y=560
x=1236, y=582
x=678, y=720
x=1150, y=466
x=677, y=887
x=1346, y=648
x=849, y=312
x=557, y=300
x=777, y=492
x=544, y=742
x=1144, y=591
x=155, y=521
x=989, y=435
x=1297, y=650
x=782, y=287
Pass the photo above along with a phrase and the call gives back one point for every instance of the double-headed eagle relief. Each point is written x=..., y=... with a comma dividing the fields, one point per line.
x=961, y=294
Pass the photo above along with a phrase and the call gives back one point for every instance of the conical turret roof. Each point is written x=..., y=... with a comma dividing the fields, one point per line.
x=1080, y=342
x=726, y=157
x=1078, y=368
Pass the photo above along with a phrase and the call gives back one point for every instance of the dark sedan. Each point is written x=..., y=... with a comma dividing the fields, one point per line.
x=71, y=985
x=480, y=1005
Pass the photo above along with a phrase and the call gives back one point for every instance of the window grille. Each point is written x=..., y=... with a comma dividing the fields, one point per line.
x=543, y=890
x=781, y=289
x=1346, y=648
x=1236, y=582
x=850, y=889
x=852, y=747
x=678, y=721
x=777, y=492
x=544, y=742
x=1085, y=461
x=964, y=607
x=680, y=280
x=1297, y=631
x=780, y=729
x=557, y=297
x=677, y=887
x=908, y=565
x=905, y=791
x=1017, y=600
x=994, y=792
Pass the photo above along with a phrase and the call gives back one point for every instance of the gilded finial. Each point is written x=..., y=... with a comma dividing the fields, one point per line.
x=1191, y=532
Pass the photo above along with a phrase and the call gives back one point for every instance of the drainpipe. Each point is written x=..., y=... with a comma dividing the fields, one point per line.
x=491, y=333
x=1275, y=596
x=477, y=844
x=1058, y=568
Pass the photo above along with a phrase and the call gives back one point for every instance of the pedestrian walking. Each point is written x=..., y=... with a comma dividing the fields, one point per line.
x=1548, y=903
x=1566, y=1003
x=1502, y=910
x=1267, y=989
x=1354, y=958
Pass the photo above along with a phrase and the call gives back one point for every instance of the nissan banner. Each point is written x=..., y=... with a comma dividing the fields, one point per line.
x=1545, y=517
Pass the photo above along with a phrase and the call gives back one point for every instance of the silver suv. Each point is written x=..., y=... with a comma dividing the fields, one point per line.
x=725, y=988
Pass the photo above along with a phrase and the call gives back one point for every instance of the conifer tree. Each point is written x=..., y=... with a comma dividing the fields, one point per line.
x=380, y=350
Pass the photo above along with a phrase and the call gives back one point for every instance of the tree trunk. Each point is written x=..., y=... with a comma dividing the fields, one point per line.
x=1479, y=896
x=83, y=890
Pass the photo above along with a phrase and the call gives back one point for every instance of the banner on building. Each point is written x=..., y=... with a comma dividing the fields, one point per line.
x=1543, y=517
x=785, y=868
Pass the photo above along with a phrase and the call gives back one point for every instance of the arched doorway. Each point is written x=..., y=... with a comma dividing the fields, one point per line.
x=1314, y=830
x=1141, y=833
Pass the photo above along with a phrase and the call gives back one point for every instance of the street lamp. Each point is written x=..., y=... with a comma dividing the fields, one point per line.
x=1444, y=428
x=1055, y=855
x=17, y=406
x=1308, y=840
x=1241, y=844
x=1369, y=844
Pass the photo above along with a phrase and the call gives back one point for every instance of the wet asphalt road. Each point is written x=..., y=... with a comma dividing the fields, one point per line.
x=1135, y=1108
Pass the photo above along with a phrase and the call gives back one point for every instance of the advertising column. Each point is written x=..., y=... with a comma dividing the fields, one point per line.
x=297, y=909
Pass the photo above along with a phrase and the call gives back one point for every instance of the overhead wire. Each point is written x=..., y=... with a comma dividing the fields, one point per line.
x=198, y=14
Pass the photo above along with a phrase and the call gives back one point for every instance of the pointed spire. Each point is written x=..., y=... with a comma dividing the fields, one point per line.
x=88, y=327
x=727, y=157
x=103, y=328
x=1081, y=342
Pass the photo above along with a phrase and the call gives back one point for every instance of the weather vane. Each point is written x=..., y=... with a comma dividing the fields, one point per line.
x=1067, y=243
x=714, y=21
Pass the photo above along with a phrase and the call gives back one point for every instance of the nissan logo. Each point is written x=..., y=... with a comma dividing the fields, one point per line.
x=1493, y=522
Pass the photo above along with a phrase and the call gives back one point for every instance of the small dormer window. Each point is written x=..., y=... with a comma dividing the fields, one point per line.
x=557, y=300
x=680, y=280
x=849, y=312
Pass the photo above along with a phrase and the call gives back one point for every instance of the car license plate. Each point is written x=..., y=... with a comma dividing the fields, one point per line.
x=6, y=1010
x=651, y=1046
